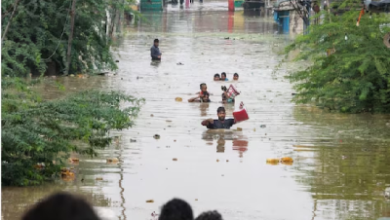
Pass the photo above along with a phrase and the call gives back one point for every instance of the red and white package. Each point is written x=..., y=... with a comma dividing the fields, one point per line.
x=241, y=114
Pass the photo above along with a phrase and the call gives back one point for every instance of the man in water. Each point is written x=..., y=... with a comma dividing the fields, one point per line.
x=217, y=77
x=155, y=51
x=235, y=76
x=223, y=77
x=202, y=97
x=221, y=123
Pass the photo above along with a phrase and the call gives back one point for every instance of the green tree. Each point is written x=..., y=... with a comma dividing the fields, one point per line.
x=356, y=77
x=38, y=131
x=35, y=35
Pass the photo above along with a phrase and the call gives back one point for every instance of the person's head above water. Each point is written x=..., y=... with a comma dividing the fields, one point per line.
x=210, y=215
x=235, y=76
x=205, y=97
x=217, y=77
x=176, y=209
x=156, y=42
x=223, y=76
x=61, y=206
x=221, y=113
x=203, y=87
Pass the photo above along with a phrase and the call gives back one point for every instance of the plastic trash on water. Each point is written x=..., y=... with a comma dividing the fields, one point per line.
x=240, y=114
x=232, y=92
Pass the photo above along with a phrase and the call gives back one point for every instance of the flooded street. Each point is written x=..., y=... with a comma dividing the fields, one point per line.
x=341, y=162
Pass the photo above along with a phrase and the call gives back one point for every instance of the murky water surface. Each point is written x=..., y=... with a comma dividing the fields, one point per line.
x=341, y=162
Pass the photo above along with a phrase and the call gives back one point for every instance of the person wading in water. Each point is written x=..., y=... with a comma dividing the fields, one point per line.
x=155, y=51
x=221, y=123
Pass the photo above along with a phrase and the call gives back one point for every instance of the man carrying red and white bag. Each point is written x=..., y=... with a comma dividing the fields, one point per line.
x=223, y=123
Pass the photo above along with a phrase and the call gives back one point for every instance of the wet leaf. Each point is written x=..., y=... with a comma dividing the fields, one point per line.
x=150, y=201
x=99, y=178
x=178, y=99
x=174, y=159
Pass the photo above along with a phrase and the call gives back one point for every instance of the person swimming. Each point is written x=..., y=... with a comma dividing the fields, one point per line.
x=225, y=98
x=221, y=122
x=217, y=77
x=235, y=76
x=202, y=97
x=223, y=77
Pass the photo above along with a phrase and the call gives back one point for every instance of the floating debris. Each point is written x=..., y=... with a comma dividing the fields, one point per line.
x=217, y=160
x=287, y=160
x=239, y=129
x=156, y=136
x=112, y=160
x=179, y=63
x=178, y=99
x=67, y=174
x=273, y=161
x=174, y=159
x=150, y=201
x=133, y=140
x=262, y=126
x=99, y=178
x=151, y=115
x=227, y=161
x=117, y=61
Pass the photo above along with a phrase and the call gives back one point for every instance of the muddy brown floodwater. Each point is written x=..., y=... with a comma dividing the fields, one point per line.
x=341, y=162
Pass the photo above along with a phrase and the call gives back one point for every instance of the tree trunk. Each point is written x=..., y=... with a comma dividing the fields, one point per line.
x=10, y=19
x=68, y=55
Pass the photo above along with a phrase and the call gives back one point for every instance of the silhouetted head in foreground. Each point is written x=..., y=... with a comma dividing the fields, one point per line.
x=216, y=77
x=61, y=206
x=211, y=215
x=176, y=209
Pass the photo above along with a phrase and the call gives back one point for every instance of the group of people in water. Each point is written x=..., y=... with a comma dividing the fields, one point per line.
x=204, y=95
x=65, y=206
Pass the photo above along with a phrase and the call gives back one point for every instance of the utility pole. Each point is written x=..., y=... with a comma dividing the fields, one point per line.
x=68, y=55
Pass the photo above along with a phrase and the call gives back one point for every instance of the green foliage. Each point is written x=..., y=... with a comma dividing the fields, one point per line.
x=356, y=78
x=36, y=131
x=39, y=31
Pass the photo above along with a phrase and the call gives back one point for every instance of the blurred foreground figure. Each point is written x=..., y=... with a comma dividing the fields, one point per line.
x=61, y=206
x=211, y=215
x=176, y=209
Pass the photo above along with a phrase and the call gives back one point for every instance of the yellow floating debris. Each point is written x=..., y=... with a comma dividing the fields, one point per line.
x=300, y=146
x=150, y=201
x=178, y=99
x=99, y=178
x=67, y=174
x=273, y=161
x=112, y=160
x=286, y=160
x=174, y=159
x=239, y=129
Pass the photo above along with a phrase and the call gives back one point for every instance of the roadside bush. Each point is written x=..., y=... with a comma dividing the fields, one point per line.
x=38, y=131
x=355, y=76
